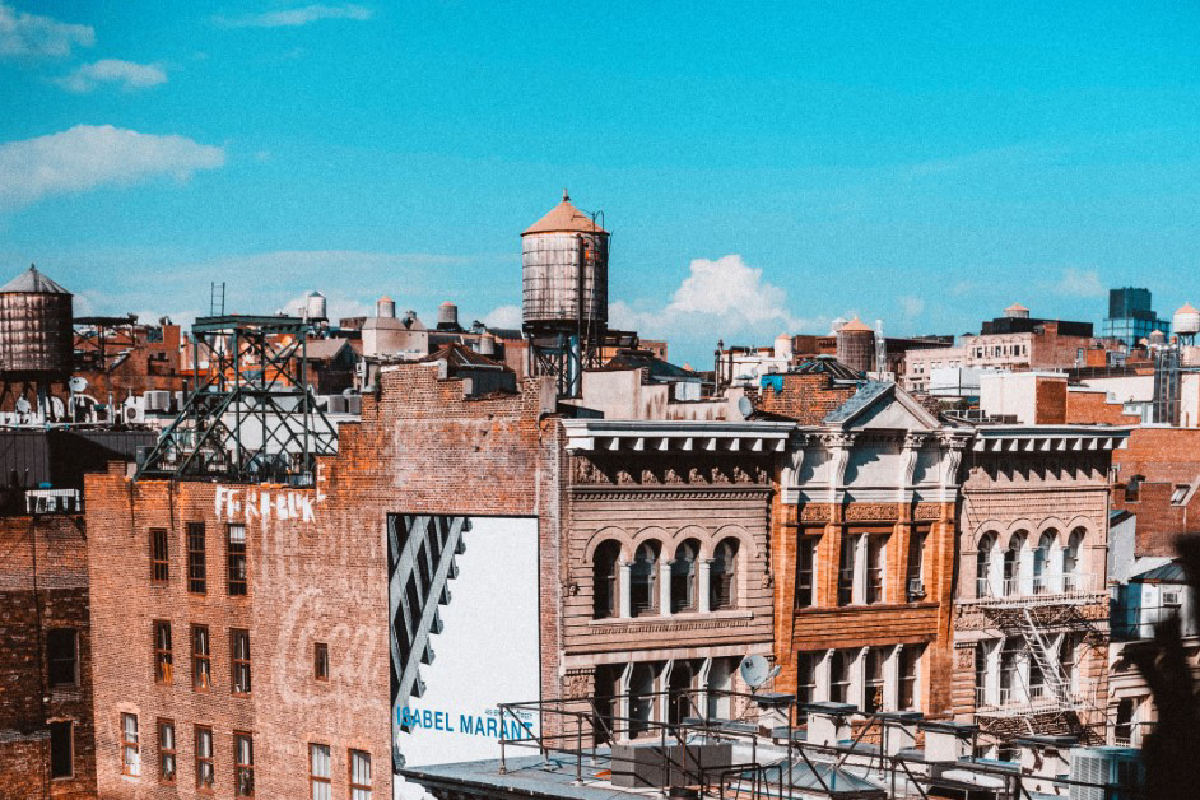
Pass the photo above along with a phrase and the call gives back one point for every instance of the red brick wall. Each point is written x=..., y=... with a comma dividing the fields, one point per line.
x=808, y=399
x=1051, y=401
x=1093, y=408
x=421, y=447
x=60, y=601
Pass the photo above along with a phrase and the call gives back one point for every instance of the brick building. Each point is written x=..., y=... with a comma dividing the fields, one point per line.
x=1031, y=618
x=863, y=540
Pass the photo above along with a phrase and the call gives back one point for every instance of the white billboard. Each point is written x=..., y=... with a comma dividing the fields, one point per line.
x=463, y=594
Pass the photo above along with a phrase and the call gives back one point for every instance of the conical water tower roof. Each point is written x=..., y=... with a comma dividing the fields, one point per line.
x=564, y=218
x=33, y=282
x=855, y=324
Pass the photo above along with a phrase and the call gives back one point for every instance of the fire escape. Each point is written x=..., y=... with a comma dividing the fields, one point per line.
x=1031, y=621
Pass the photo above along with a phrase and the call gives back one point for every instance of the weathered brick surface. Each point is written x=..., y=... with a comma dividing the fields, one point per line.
x=1164, y=458
x=808, y=399
x=43, y=585
x=421, y=447
x=1093, y=408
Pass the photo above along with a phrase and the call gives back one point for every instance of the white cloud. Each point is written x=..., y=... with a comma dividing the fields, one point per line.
x=88, y=156
x=126, y=74
x=503, y=317
x=296, y=16
x=911, y=306
x=725, y=297
x=1080, y=283
x=24, y=35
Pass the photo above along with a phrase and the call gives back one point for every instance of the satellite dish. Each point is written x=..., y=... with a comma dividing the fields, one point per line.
x=78, y=384
x=746, y=408
x=756, y=671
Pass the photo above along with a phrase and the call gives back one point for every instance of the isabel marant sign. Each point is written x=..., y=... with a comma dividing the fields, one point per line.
x=463, y=594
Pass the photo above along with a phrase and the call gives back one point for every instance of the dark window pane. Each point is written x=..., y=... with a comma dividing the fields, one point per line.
x=61, y=657
x=60, y=750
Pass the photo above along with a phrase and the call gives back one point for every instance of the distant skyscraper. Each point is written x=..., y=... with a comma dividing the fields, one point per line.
x=1131, y=317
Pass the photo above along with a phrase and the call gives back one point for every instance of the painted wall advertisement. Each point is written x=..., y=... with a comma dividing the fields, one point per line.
x=463, y=595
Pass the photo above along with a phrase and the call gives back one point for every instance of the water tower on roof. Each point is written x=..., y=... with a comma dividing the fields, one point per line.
x=37, y=340
x=564, y=292
x=1186, y=323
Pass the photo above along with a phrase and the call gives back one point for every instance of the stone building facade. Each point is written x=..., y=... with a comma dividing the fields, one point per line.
x=1031, y=616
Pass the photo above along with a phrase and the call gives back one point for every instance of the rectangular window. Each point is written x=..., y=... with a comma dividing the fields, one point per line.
x=166, y=751
x=839, y=676
x=360, y=775
x=321, y=661
x=876, y=546
x=62, y=749
x=806, y=678
x=195, y=558
x=872, y=700
x=131, y=763
x=910, y=664
x=806, y=559
x=915, y=585
x=235, y=551
x=62, y=657
x=239, y=658
x=243, y=765
x=201, y=658
x=160, y=564
x=846, y=572
x=206, y=771
x=162, y=652
x=318, y=771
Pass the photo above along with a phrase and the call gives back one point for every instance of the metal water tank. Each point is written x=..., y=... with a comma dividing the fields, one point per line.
x=314, y=306
x=36, y=336
x=1186, y=321
x=447, y=318
x=564, y=259
x=1017, y=311
x=385, y=307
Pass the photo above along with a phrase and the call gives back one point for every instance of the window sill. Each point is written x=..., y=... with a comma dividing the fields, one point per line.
x=689, y=616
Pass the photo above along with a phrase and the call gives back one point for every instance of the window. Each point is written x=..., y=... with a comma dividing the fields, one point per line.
x=1068, y=660
x=604, y=580
x=1008, y=671
x=1070, y=560
x=243, y=765
x=130, y=761
x=910, y=664
x=318, y=771
x=806, y=559
x=876, y=548
x=239, y=657
x=839, y=677
x=201, y=655
x=1133, y=488
x=62, y=657
x=872, y=699
x=206, y=771
x=195, y=558
x=981, y=675
x=1123, y=729
x=321, y=661
x=62, y=755
x=984, y=559
x=643, y=597
x=160, y=565
x=806, y=678
x=162, y=652
x=166, y=751
x=723, y=576
x=360, y=775
x=235, y=551
x=684, y=577
x=1012, y=565
x=1042, y=580
x=915, y=589
x=846, y=572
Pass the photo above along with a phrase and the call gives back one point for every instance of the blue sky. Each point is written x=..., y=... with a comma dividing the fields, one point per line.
x=764, y=167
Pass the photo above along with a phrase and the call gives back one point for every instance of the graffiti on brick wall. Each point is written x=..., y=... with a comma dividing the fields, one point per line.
x=259, y=506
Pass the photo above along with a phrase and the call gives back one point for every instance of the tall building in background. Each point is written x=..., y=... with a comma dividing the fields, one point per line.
x=1131, y=317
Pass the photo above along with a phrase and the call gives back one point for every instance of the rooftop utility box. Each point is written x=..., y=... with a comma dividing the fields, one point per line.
x=638, y=766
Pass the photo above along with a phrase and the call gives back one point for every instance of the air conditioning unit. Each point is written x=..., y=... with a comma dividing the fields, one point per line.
x=1107, y=773
x=157, y=401
x=916, y=590
x=133, y=411
x=1171, y=597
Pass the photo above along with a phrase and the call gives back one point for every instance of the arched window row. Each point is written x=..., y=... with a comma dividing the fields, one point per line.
x=1049, y=562
x=663, y=582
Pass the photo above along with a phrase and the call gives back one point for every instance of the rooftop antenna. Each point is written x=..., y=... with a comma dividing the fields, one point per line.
x=216, y=299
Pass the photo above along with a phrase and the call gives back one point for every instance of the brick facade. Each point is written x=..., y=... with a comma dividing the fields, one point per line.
x=43, y=587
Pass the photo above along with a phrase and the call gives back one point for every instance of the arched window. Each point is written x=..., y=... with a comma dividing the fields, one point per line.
x=684, y=577
x=723, y=579
x=1012, y=565
x=985, y=559
x=641, y=698
x=1070, y=560
x=1043, y=581
x=643, y=597
x=682, y=701
x=604, y=579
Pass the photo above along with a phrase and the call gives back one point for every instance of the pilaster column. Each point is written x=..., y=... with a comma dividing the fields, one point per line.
x=703, y=602
x=664, y=588
x=625, y=589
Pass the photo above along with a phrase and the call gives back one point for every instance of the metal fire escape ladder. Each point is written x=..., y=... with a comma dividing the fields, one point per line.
x=1047, y=661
